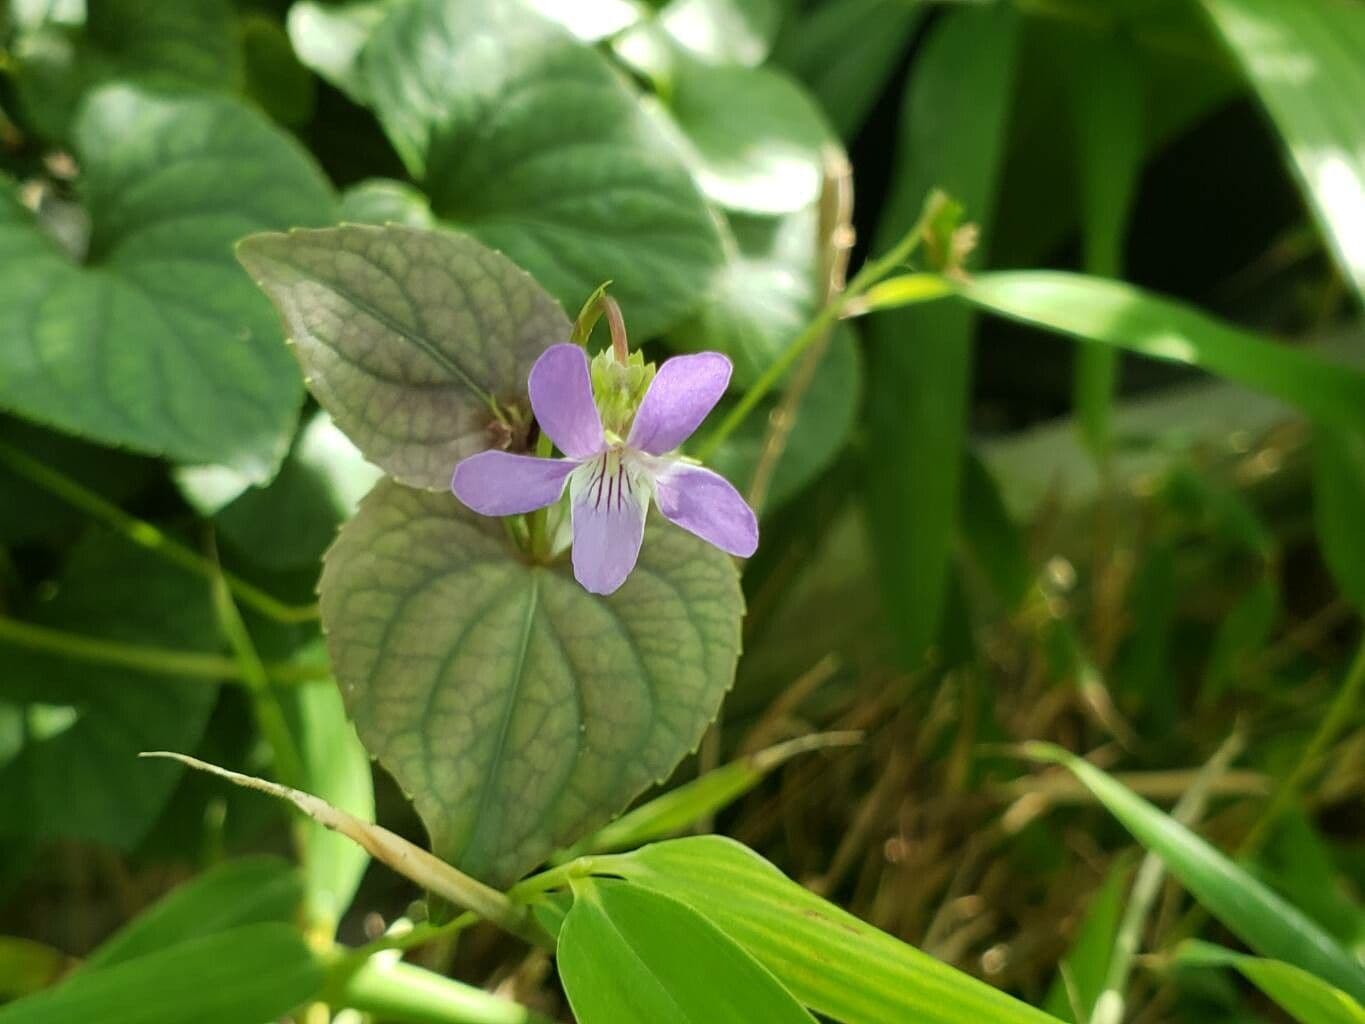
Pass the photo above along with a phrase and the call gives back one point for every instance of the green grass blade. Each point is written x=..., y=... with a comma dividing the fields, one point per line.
x=1306, y=998
x=1250, y=910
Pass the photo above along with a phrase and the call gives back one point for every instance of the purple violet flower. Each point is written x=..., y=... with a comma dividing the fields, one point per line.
x=610, y=480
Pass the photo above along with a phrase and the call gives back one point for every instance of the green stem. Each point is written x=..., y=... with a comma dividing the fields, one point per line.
x=417, y=935
x=147, y=658
x=554, y=878
x=405, y=992
x=266, y=704
x=145, y=535
x=871, y=272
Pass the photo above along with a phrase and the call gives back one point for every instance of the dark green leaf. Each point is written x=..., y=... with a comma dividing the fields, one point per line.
x=252, y=890
x=188, y=44
x=1339, y=507
x=289, y=524
x=274, y=77
x=953, y=122
x=409, y=338
x=834, y=963
x=79, y=776
x=629, y=954
x=1119, y=314
x=254, y=973
x=158, y=341
x=539, y=148
x=1253, y=913
x=845, y=50
x=1303, y=61
x=519, y=711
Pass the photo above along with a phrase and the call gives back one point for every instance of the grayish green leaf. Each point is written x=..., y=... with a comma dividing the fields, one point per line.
x=157, y=341
x=831, y=961
x=519, y=711
x=629, y=954
x=531, y=141
x=415, y=341
x=254, y=973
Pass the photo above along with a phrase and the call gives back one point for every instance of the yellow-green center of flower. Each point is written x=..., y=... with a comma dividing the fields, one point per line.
x=618, y=389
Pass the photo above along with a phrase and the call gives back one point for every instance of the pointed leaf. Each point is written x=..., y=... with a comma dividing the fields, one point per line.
x=629, y=954
x=409, y=338
x=831, y=961
x=1306, y=998
x=519, y=711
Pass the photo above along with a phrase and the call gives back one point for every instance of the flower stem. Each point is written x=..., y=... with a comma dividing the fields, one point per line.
x=408, y=993
x=145, y=535
x=147, y=658
x=870, y=273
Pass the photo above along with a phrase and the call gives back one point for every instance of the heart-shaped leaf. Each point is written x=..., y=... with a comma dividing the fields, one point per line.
x=158, y=341
x=417, y=342
x=533, y=142
x=518, y=710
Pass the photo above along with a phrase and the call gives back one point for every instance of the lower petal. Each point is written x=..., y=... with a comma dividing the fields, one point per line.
x=608, y=508
x=497, y=483
x=705, y=503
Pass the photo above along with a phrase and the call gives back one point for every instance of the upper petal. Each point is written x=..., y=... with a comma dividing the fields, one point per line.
x=561, y=396
x=705, y=503
x=684, y=390
x=497, y=483
x=608, y=509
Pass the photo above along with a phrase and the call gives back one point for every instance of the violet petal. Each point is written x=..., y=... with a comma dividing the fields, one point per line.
x=561, y=397
x=705, y=503
x=497, y=483
x=684, y=390
x=608, y=510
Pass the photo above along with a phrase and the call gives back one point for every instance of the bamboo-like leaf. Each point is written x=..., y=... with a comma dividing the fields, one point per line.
x=1306, y=998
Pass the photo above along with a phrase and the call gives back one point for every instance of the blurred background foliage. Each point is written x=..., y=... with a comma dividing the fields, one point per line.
x=977, y=532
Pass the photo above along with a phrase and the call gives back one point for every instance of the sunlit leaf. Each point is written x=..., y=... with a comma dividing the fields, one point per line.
x=629, y=954
x=1303, y=62
x=831, y=961
x=328, y=38
x=1306, y=998
x=155, y=339
x=540, y=149
x=518, y=710
x=415, y=341
x=1119, y=314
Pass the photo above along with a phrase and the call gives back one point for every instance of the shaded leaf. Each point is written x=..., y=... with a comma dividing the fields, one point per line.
x=158, y=342
x=254, y=973
x=1253, y=913
x=540, y=149
x=416, y=342
x=517, y=710
x=78, y=776
x=1085, y=968
x=629, y=954
x=1339, y=506
x=919, y=359
x=250, y=890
